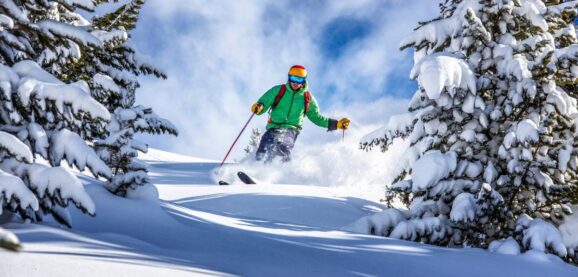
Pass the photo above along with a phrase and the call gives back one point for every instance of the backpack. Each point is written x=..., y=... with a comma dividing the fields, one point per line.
x=282, y=92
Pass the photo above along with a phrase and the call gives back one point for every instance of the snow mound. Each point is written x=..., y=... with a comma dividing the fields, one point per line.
x=377, y=224
x=197, y=227
x=508, y=246
x=145, y=192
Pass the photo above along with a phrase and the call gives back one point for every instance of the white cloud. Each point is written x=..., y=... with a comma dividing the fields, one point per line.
x=220, y=56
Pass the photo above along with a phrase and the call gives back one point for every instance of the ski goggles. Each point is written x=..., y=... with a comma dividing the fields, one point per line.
x=296, y=79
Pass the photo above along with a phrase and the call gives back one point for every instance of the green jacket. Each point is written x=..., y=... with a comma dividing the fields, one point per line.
x=290, y=111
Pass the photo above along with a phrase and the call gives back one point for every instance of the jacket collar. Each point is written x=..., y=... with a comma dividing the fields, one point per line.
x=300, y=91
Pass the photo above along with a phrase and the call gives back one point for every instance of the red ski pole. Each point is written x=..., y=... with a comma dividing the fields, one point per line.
x=242, y=130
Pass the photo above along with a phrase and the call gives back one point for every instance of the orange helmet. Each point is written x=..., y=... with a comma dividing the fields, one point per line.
x=298, y=70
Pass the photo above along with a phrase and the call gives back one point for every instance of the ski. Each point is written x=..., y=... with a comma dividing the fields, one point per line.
x=223, y=183
x=245, y=178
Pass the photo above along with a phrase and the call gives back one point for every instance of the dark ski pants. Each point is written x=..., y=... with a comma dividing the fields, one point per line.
x=277, y=142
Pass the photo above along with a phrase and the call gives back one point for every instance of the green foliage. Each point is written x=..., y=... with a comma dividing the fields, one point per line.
x=123, y=18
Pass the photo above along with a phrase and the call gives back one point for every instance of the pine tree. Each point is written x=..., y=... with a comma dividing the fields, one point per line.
x=42, y=117
x=561, y=19
x=254, y=141
x=111, y=72
x=492, y=127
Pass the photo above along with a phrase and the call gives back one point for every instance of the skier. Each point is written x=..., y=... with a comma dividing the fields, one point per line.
x=289, y=103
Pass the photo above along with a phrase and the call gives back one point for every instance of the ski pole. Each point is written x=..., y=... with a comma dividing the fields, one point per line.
x=233, y=145
x=343, y=137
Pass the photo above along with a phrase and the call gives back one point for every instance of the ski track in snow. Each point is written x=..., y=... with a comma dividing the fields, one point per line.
x=199, y=228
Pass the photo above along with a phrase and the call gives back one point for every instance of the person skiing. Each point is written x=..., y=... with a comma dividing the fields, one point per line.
x=287, y=105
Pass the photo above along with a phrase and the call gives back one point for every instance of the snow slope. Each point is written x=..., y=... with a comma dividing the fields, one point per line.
x=199, y=228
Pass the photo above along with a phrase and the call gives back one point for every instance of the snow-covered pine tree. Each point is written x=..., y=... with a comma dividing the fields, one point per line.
x=492, y=129
x=111, y=72
x=41, y=115
x=254, y=141
x=561, y=18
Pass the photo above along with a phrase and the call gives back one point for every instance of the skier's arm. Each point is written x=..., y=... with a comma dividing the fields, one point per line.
x=318, y=119
x=268, y=98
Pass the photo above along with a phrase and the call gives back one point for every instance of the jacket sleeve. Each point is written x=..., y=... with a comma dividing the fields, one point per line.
x=318, y=119
x=268, y=98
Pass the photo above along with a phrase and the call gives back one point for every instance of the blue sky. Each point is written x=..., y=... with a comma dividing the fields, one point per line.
x=220, y=56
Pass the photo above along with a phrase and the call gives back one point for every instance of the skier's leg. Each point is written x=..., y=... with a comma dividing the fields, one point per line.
x=273, y=147
x=266, y=141
x=286, y=144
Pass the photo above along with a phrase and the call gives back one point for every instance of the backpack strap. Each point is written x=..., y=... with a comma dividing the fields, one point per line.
x=279, y=96
x=307, y=101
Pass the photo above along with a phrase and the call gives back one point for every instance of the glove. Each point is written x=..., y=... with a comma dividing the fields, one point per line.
x=257, y=108
x=343, y=123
